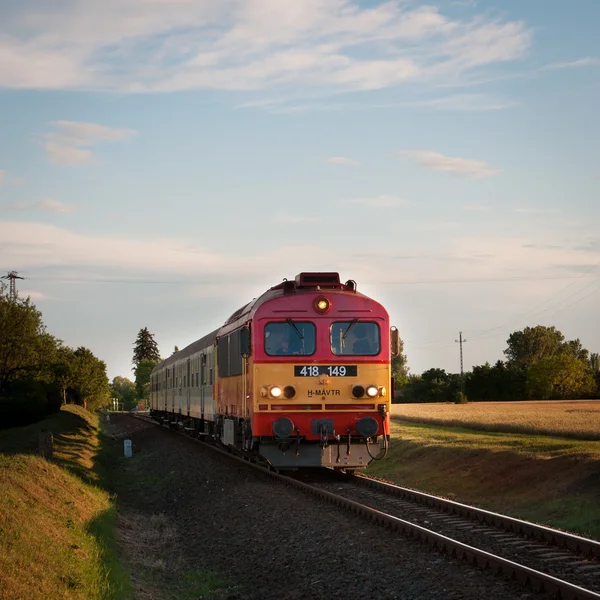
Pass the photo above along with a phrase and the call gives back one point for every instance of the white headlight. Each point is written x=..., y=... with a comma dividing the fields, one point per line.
x=372, y=391
x=275, y=391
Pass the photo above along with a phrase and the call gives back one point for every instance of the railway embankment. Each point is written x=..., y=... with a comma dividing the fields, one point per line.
x=477, y=455
x=57, y=520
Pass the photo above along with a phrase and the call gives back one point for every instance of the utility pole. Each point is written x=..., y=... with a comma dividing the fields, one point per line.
x=462, y=377
x=12, y=276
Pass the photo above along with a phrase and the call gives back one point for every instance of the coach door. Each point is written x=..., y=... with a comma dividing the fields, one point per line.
x=188, y=386
x=202, y=383
x=181, y=384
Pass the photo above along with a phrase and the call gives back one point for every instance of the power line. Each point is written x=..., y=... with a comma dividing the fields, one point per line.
x=595, y=291
x=221, y=281
x=532, y=310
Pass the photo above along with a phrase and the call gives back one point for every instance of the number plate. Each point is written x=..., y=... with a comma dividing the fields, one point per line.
x=331, y=370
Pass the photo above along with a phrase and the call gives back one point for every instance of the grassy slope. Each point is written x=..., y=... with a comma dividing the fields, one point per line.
x=545, y=479
x=57, y=526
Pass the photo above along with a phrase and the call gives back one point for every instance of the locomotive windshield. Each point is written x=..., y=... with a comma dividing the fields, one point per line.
x=290, y=338
x=355, y=338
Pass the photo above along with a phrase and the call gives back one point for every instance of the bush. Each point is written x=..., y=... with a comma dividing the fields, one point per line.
x=460, y=398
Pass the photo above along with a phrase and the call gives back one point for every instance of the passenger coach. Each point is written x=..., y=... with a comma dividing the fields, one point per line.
x=300, y=377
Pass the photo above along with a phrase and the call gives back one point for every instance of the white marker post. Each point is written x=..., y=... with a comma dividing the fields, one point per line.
x=128, y=452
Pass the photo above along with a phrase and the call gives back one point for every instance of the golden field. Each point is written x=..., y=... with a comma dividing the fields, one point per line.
x=579, y=419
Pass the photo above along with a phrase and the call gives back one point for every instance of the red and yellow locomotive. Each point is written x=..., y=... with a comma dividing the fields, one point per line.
x=301, y=377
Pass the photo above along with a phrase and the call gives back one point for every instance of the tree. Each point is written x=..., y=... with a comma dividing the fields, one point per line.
x=499, y=382
x=124, y=390
x=145, y=348
x=90, y=382
x=64, y=370
x=559, y=377
x=142, y=378
x=532, y=344
x=434, y=385
x=576, y=350
x=594, y=362
x=400, y=368
x=26, y=350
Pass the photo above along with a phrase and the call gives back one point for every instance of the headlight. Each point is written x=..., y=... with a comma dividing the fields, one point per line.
x=372, y=391
x=322, y=305
x=275, y=391
x=289, y=391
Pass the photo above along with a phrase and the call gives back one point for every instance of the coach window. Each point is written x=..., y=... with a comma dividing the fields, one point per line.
x=355, y=338
x=290, y=338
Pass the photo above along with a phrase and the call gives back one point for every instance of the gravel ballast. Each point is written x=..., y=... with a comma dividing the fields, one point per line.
x=274, y=542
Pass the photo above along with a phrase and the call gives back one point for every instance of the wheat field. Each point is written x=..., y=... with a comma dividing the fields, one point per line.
x=578, y=419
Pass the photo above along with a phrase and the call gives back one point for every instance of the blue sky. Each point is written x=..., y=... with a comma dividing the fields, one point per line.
x=163, y=162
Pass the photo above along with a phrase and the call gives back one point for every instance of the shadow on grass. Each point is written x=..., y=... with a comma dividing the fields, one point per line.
x=25, y=440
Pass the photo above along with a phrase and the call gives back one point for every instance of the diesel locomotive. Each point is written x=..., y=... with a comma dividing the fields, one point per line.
x=299, y=377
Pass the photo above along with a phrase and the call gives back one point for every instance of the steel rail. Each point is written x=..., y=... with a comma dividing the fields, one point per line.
x=585, y=546
x=540, y=582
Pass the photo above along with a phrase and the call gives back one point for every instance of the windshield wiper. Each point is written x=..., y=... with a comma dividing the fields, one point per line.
x=354, y=322
x=293, y=326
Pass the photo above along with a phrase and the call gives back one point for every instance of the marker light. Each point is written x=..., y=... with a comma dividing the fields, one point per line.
x=322, y=305
x=275, y=391
x=358, y=391
x=372, y=391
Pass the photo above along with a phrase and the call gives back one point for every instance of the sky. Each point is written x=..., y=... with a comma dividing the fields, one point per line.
x=163, y=162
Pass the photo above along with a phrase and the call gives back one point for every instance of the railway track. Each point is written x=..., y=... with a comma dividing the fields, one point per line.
x=555, y=563
x=557, y=554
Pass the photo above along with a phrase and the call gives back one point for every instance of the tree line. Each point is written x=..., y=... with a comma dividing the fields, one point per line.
x=539, y=365
x=38, y=372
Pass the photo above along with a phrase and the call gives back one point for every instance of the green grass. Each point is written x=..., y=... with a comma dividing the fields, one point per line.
x=57, y=526
x=545, y=479
x=200, y=583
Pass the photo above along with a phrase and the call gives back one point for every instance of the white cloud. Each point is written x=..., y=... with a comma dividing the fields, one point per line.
x=143, y=45
x=476, y=207
x=34, y=295
x=28, y=245
x=48, y=205
x=434, y=161
x=342, y=160
x=67, y=145
x=264, y=103
x=588, y=61
x=537, y=211
x=294, y=219
x=51, y=205
x=382, y=201
x=459, y=102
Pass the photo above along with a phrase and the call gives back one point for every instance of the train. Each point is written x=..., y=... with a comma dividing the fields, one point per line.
x=298, y=378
